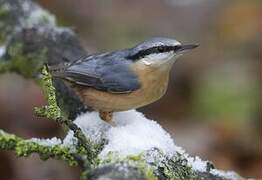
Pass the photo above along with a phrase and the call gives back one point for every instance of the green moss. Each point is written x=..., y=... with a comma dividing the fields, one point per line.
x=8, y=141
x=140, y=162
x=177, y=168
x=2, y=38
x=135, y=157
x=146, y=170
x=27, y=65
x=52, y=111
x=4, y=10
x=84, y=175
x=45, y=18
x=25, y=148
x=137, y=161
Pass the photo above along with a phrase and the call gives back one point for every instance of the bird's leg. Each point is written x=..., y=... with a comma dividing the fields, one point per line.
x=106, y=116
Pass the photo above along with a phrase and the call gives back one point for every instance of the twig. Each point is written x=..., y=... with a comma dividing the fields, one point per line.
x=52, y=111
x=25, y=148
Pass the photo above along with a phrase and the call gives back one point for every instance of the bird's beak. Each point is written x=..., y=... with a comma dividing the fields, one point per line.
x=187, y=47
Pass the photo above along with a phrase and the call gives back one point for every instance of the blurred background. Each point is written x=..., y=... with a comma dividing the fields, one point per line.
x=213, y=107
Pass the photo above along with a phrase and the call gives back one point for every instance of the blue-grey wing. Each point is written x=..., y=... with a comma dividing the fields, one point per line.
x=105, y=74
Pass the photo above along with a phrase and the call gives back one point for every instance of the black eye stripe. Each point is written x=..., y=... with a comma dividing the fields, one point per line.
x=157, y=49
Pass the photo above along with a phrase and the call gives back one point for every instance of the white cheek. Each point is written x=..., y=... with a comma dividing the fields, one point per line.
x=146, y=62
x=157, y=59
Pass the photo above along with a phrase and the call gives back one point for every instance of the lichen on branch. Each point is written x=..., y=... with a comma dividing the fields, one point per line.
x=25, y=148
x=28, y=65
x=52, y=111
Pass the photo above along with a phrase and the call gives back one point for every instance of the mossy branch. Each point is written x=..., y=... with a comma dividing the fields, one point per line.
x=25, y=148
x=28, y=65
x=52, y=111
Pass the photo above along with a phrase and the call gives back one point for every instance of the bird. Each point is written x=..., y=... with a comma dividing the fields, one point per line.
x=123, y=79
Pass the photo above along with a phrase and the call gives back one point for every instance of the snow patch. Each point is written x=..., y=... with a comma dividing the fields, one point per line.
x=197, y=164
x=41, y=16
x=36, y=16
x=227, y=174
x=2, y=50
x=134, y=134
x=47, y=142
x=91, y=125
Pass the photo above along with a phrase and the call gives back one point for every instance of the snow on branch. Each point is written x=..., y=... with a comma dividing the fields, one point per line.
x=52, y=111
x=136, y=148
x=136, y=139
x=47, y=148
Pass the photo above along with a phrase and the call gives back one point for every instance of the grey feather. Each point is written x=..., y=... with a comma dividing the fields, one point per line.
x=111, y=71
x=105, y=72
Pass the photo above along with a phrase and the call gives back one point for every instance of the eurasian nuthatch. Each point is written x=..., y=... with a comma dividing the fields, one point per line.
x=123, y=79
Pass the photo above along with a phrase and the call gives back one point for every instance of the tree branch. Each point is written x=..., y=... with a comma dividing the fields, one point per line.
x=52, y=111
x=25, y=148
x=32, y=39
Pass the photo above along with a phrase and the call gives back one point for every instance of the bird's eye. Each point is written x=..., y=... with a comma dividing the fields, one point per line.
x=161, y=49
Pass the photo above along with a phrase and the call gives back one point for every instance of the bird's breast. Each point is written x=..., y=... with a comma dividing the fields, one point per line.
x=154, y=82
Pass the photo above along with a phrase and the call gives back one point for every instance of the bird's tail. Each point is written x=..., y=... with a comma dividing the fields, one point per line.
x=59, y=70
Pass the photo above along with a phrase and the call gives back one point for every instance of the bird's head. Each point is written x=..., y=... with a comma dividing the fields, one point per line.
x=158, y=51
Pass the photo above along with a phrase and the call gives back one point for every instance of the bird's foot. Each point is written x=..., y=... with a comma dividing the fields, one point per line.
x=107, y=117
